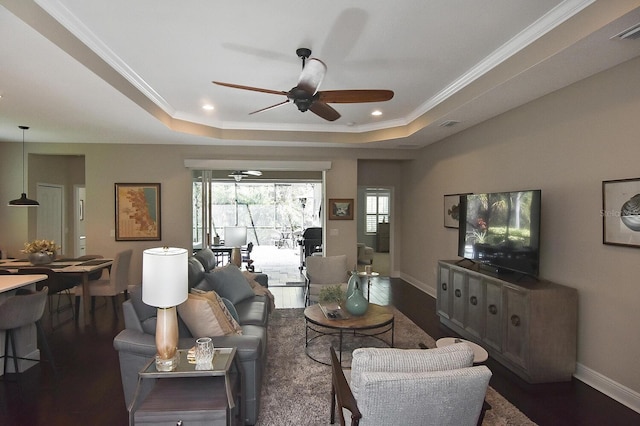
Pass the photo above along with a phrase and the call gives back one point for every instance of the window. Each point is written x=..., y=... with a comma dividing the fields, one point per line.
x=377, y=208
x=271, y=211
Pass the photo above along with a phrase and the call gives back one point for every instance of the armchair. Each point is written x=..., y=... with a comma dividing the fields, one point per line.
x=410, y=387
x=323, y=271
x=365, y=254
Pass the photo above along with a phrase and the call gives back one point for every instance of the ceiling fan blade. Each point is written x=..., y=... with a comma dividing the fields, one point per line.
x=325, y=111
x=354, y=96
x=253, y=172
x=253, y=89
x=270, y=107
x=312, y=76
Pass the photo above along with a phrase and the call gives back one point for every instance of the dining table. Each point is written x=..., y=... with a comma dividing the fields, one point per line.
x=70, y=268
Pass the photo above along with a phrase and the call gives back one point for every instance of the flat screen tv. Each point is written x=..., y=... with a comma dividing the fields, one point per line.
x=501, y=230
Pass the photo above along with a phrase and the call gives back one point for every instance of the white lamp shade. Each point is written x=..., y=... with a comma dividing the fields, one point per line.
x=165, y=276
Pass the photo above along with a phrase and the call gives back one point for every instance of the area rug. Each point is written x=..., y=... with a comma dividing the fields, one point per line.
x=296, y=390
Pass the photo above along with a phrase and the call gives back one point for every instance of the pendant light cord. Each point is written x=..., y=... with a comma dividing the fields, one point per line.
x=23, y=178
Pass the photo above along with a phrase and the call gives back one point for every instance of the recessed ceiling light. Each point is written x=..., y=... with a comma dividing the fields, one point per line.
x=208, y=107
x=376, y=113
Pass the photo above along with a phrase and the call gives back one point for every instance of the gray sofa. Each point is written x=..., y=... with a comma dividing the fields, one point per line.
x=136, y=343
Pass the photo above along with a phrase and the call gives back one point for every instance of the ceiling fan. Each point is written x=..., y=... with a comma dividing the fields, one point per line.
x=239, y=174
x=306, y=95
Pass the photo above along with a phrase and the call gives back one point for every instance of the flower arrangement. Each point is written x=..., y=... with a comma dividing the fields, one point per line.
x=41, y=246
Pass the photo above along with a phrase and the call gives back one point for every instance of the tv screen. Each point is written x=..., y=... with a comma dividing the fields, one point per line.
x=501, y=230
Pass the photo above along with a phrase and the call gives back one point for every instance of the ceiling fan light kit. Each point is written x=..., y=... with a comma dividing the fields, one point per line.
x=23, y=201
x=306, y=96
x=237, y=175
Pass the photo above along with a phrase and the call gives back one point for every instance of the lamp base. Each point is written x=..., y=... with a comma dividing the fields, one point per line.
x=169, y=364
x=167, y=339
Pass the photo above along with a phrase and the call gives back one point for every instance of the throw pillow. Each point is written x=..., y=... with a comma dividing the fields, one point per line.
x=205, y=314
x=232, y=309
x=229, y=283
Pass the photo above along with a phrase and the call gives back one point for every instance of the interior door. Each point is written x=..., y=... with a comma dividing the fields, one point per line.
x=50, y=224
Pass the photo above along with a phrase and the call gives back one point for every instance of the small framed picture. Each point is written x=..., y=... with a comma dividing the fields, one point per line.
x=341, y=209
x=137, y=211
x=621, y=212
x=452, y=210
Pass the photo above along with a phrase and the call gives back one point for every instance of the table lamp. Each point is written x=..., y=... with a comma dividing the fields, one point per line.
x=165, y=285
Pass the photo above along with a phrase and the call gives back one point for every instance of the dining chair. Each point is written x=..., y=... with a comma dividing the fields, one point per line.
x=94, y=275
x=24, y=308
x=116, y=283
x=56, y=285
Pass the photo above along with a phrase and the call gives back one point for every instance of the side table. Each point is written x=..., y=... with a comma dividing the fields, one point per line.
x=368, y=275
x=210, y=397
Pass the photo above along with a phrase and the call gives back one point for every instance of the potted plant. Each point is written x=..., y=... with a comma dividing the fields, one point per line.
x=41, y=252
x=331, y=296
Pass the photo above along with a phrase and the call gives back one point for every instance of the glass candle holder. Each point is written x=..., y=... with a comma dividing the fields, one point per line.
x=204, y=353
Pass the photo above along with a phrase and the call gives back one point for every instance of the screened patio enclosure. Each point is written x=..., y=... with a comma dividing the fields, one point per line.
x=275, y=212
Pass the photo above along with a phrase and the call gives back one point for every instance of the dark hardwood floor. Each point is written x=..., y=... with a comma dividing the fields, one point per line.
x=89, y=390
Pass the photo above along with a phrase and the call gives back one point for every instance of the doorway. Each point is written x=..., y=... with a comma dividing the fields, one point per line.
x=375, y=225
x=50, y=222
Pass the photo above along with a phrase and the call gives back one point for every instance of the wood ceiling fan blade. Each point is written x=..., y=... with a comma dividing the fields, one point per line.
x=354, y=96
x=253, y=89
x=312, y=75
x=270, y=107
x=325, y=111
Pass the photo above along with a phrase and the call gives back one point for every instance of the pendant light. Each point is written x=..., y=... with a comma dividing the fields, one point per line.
x=23, y=201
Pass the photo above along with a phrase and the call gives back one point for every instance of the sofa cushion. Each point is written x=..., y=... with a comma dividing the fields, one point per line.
x=143, y=310
x=253, y=311
x=207, y=257
x=206, y=315
x=195, y=272
x=232, y=309
x=229, y=283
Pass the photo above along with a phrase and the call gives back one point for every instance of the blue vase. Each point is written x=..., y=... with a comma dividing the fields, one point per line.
x=354, y=281
x=357, y=304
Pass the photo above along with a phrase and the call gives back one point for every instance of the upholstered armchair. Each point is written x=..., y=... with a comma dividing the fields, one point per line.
x=409, y=387
x=365, y=254
x=322, y=271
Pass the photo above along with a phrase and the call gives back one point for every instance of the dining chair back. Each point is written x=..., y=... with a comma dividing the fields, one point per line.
x=116, y=283
x=57, y=286
x=24, y=308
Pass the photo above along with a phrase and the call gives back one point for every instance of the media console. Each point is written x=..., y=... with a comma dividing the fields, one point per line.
x=530, y=326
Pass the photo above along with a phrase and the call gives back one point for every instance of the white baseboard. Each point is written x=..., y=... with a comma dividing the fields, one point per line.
x=608, y=387
x=419, y=284
x=603, y=384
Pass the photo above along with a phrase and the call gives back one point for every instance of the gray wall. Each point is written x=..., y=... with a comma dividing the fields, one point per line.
x=566, y=144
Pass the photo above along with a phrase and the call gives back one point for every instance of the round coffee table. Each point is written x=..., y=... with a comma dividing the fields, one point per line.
x=377, y=321
x=479, y=353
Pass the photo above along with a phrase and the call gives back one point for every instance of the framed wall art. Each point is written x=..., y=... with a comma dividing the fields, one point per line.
x=137, y=211
x=621, y=212
x=341, y=209
x=451, y=210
